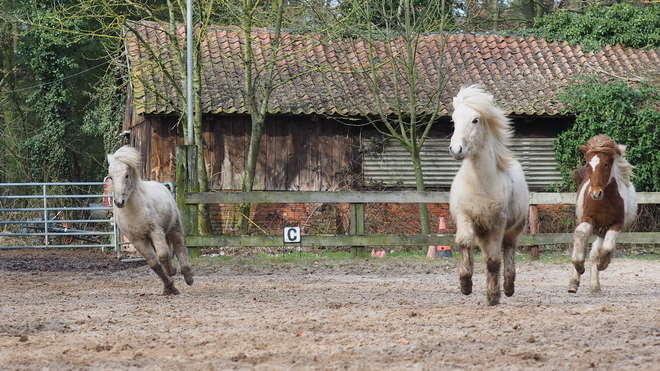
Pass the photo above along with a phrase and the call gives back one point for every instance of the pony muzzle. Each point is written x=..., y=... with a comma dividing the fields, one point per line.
x=458, y=152
x=596, y=195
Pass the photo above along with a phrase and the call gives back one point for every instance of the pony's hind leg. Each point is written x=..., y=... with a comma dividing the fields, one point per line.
x=609, y=243
x=580, y=241
x=509, y=249
x=601, y=256
x=181, y=252
x=465, y=243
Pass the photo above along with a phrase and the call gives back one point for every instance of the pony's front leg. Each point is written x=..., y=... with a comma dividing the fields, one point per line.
x=465, y=243
x=163, y=252
x=149, y=253
x=491, y=248
x=580, y=242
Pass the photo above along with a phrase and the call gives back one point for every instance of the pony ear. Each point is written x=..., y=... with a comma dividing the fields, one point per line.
x=584, y=148
x=110, y=158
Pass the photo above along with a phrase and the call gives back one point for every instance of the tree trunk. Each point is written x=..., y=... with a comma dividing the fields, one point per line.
x=528, y=10
x=419, y=181
x=204, y=217
x=251, y=167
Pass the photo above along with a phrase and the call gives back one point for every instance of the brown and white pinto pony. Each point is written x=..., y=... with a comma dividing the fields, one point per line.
x=606, y=205
x=489, y=199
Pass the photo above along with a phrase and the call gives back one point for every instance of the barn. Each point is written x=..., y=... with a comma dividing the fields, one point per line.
x=317, y=134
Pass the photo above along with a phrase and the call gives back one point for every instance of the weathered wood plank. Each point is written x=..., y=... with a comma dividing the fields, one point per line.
x=303, y=197
x=377, y=196
x=215, y=154
x=541, y=198
x=648, y=197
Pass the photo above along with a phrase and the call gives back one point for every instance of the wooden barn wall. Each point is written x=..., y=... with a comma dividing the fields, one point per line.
x=297, y=153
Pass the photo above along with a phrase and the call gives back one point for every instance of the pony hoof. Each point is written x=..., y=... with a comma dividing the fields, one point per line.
x=466, y=286
x=572, y=289
x=509, y=289
x=188, y=276
x=172, y=291
x=493, y=300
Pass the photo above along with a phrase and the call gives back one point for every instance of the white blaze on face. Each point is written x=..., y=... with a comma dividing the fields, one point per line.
x=594, y=162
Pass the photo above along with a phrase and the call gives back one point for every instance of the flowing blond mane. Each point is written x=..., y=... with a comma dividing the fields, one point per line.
x=475, y=97
x=129, y=156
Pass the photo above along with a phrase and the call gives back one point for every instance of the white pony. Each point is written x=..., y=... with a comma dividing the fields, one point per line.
x=147, y=214
x=489, y=199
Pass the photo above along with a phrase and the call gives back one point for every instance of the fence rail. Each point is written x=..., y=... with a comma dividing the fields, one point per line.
x=356, y=237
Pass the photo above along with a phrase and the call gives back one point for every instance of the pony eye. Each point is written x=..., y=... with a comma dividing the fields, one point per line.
x=126, y=176
x=475, y=121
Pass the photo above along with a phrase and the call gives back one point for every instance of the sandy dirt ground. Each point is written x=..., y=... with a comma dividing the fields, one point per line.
x=86, y=311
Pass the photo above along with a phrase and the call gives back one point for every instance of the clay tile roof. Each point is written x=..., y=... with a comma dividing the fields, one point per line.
x=526, y=75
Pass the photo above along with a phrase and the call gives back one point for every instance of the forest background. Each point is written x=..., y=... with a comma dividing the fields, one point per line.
x=62, y=94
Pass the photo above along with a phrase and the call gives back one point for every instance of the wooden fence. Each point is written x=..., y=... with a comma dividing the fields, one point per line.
x=357, y=238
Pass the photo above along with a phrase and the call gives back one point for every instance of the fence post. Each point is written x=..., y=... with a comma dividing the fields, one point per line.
x=186, y=181
x=357, y=228
x=534, y=229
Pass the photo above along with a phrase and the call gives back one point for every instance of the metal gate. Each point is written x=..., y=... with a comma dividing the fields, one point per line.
x=57, y=215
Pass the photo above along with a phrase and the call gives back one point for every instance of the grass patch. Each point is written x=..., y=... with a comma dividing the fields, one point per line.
x=333, y=257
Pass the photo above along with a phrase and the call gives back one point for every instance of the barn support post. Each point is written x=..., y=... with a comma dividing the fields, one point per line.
x=186, y=182
x=534, y=229
x=357, y=228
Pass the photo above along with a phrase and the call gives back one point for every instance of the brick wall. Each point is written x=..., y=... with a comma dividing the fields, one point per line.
x=385, y=218
x=329, y=218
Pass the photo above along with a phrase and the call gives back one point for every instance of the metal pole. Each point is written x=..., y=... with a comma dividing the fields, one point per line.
x=45, y=194
x=189, y=69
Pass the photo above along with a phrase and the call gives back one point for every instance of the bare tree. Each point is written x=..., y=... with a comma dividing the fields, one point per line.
x=394, y=33
x=119, y=19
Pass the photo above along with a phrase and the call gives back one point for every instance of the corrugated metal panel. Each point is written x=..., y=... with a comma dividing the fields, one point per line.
x=393, y=166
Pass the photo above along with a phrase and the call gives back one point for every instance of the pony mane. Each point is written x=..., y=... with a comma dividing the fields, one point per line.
x=604, y=144
x=129, y=156
x=475, y=97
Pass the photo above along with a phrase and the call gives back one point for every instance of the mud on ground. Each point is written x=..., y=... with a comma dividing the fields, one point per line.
x=82, y=310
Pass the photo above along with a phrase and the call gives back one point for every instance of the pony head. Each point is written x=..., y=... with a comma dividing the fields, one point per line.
x=124, y=174
x=476, y=121
x=605, y=162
